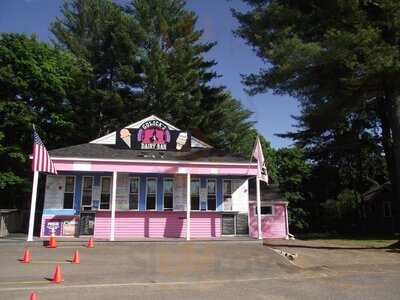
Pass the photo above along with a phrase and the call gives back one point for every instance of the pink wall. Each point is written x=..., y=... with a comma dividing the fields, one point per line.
x=166, y=168
x=157, y=224
x=272, y=226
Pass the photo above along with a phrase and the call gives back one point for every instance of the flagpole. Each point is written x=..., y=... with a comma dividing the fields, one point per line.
x=33, y=206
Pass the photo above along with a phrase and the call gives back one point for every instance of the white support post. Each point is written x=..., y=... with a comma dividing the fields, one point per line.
x=113, y=198
x=33, y=205
x=188, y=208
x=260, y=235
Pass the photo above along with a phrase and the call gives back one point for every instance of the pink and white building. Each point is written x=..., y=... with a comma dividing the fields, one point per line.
x=152, y=180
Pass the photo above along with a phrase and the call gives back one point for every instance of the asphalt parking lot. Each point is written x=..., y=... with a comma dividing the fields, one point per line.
x=196, y=270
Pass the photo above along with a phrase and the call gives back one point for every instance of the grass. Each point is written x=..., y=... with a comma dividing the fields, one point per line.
x=354, y=240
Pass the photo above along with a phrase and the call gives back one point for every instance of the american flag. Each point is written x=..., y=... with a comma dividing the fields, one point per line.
x=41, y=160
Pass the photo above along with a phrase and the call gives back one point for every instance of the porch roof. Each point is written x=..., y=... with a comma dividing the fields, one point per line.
x=112, y=152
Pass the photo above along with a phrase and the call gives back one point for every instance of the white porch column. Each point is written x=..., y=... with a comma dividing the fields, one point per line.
x=113, y=198
x=260, y=235
x=188, y=208
x=33, y=206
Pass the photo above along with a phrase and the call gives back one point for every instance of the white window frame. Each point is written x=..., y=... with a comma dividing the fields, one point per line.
x=223, y=193
x=173, y=185
x=129, y=191
x=191, y=206
x=265, y=215
x=101, y=189
x=73, y=193
x=147, y=179
x=216, y=193
x=83, y=181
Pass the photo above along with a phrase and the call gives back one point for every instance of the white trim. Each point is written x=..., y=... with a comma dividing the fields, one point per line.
x=163, y=192
x=188, y=208
x=145, y=204
x=65, y=183
x=153, y=161
x=113, y=204
x=33, y=206
x=129, y=191
x=91, y=202
x=101, y=189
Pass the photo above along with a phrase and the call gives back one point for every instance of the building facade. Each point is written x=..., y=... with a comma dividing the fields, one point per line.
x=152, y=180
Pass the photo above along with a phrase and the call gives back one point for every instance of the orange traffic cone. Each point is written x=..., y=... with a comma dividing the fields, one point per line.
x=57, y=278
x=75, y=258
x=90, y=243
x=27, y=257
x=33, y=297
x=52, y=242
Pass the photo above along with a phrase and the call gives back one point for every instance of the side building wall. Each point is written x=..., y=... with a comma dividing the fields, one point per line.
x=272, y=226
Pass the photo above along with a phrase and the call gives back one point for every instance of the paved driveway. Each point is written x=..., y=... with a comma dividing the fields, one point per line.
x=207, y=270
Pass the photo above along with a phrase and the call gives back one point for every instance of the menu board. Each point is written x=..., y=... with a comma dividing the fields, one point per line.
x=54, y=191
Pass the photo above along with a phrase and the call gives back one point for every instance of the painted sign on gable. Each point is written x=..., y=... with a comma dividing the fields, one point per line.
x=153, y=135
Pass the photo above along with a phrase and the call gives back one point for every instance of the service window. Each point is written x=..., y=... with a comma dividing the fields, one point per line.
x=69, y=192
x=87, y=189
x=134, y=193
x=168, y=194
x=105, y=193
x=211, y=194
x=151, y=193
x=195, y=194
x=227, y=194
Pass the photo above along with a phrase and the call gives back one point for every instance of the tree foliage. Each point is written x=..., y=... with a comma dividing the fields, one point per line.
x=340, y=59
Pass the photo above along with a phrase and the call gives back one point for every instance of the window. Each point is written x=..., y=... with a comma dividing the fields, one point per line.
x=151, y=193
x=134, y=193
x=195, y=194
x=69, y=192
x=211, y=194
x=227, y=194
x=266, y=210
x=105, y=193
x=168, y=194
x=387, y=209
x=87, y=192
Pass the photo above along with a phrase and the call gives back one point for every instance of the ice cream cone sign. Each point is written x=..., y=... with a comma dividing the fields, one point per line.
x=126, y=136
x=181, y=140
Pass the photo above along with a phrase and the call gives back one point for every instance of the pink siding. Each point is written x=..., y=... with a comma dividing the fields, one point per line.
x=157, y=224
x=171, y=168
x=272, y=226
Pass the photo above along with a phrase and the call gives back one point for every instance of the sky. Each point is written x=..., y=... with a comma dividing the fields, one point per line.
x=272, y=113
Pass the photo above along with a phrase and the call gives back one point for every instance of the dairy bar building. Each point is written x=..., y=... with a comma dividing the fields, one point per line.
x=151, y=180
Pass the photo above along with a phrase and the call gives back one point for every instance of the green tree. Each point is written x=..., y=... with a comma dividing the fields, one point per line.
x=148, y=58
x=34, y=83
x=339, y=58
x=293, y=172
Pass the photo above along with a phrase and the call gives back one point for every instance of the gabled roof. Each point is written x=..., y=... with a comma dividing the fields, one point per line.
x=109, y=139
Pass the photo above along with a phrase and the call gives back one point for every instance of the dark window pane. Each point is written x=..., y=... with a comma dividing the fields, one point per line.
x=195, y=203
x=133, y=201
x=151, y=202
x=69, y=184
x=105, y=201
x=211, y=202
x=168, y=202
x=266, y=210
x=68, y=200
